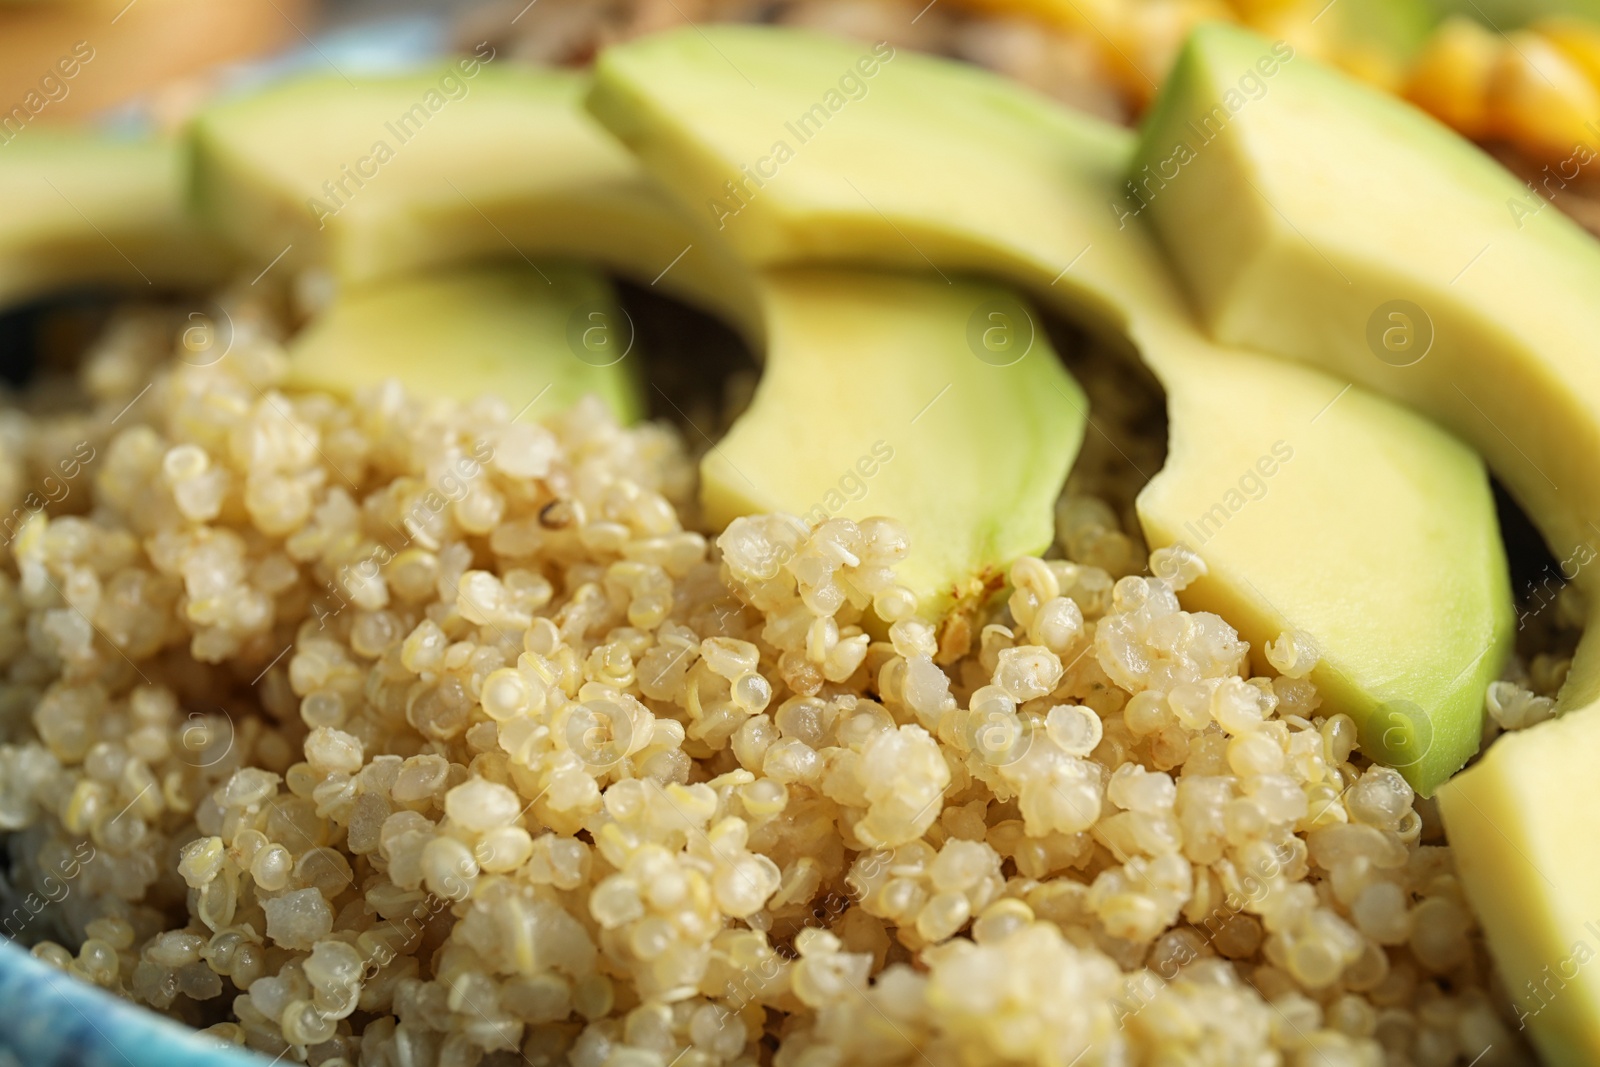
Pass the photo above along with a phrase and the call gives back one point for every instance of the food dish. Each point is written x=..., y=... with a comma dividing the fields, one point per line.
x=1052, y=657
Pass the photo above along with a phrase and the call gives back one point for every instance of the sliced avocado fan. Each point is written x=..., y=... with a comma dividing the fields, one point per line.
x=85, y=208
x=939, y=404
x=1333, y=224
x=540, y=337
x=379, y=176
x=835, y=155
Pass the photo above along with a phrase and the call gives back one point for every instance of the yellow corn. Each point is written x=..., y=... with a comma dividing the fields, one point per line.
x=1146, y=40
x=1450, y=78
x=1252, y=11
x=1091, y=16
x=1540, y=100
x=1578, y=40
x=1539, y=89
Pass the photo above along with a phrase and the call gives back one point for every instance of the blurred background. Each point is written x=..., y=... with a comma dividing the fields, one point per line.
x=1521, y=77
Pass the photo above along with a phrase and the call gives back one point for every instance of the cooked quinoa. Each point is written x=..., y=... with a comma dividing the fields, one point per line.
x=397, y=731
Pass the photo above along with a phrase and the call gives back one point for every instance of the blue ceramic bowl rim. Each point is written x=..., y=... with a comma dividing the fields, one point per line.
x=48, y=1017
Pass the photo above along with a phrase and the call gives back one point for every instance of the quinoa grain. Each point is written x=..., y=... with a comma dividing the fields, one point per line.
x=347, y=778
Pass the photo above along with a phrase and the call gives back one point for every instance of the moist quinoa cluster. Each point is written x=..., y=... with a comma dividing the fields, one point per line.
x=397, y=731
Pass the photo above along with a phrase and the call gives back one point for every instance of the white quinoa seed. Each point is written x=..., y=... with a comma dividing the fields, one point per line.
x=537, y=774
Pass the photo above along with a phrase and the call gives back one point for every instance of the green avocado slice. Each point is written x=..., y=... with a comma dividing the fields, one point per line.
x=88, y=208
x=1335, y=224
x=1339, y=226
x=383, y=175
x=540, y=337
x=940, y=404
x=1313, y=504
x=995, y=179
x=835, y=152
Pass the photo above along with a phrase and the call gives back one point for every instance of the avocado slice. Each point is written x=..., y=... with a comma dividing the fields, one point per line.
x=836, y=156
x=1265, y=462
x=85, y=208
x=405, y=172
x=1519, y=822
x=1296, y=228
x=543, y=335
x=1335, y=224
x=941, y=404
x=996, y=179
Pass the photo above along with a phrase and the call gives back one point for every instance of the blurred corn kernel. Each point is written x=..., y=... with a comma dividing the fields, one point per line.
x=1578, y=40
x=1147, y=38
x=1450, y=79
x=1539, y=99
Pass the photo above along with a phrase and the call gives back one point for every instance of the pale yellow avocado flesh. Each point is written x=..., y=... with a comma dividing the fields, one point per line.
x=1522, y=822
x=539, y=337
x=86, y=208
x=1328, y=508
x=1323, y=201
x=1317, y=205
x=874, y=401
x=476, y=159
x=986, y=177
x=997, y=180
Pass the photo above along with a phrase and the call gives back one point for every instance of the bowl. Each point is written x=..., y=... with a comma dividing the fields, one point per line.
x=49, y=1018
